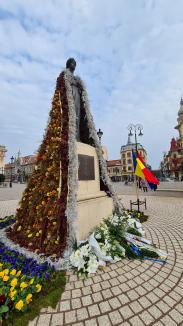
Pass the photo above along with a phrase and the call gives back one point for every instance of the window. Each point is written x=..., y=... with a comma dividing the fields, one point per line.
x=124, y=162
x=129, y=154
x=129, y=168
x=129, y=161
x=123, y=155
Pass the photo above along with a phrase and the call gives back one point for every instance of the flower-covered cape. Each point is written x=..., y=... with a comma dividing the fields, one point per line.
x=45, y=220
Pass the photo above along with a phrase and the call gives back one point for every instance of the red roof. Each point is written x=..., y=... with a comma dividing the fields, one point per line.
x=113, y=163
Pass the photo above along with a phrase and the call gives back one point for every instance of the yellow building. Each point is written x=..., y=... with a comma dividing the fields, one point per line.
x=3, y=150
x=127, y=160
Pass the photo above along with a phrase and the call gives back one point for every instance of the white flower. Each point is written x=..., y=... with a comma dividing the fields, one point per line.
x=84, y=250
x=92, y=265
x=77, y=260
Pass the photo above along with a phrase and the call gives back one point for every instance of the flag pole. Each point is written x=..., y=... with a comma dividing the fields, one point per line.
x=136, y=178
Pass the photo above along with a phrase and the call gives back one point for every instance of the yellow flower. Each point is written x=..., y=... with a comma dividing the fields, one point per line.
x=12, y=294
x=1, y=264
x=13, y=272
x=23, y=285
x=19, y=228
x=5, y=278
x=13, y=282
x=19, y=273
x=38, y=287
x=2, y=274
x=29, y=298
x=31, y=281
x=30, y=235
x=6, y=271
x=19, y=305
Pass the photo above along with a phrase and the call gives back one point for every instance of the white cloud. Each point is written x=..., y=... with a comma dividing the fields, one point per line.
x=129, y=54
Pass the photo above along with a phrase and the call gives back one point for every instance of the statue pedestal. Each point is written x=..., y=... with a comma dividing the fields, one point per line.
x=93, y=205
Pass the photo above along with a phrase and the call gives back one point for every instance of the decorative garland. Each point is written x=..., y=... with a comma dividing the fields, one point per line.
x=103, y=166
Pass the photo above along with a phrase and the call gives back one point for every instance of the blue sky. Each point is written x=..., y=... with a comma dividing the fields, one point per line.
x=129, y=53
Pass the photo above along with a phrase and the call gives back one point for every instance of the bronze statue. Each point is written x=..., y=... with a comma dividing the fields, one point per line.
x=76, y=91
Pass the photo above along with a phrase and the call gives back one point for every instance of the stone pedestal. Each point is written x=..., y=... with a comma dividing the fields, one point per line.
x=93, y=205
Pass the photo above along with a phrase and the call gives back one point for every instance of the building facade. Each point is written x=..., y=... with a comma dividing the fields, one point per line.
x=3, y=151
x=172, y=163
x=114, y=170
x=127, y=160
x=21, y=168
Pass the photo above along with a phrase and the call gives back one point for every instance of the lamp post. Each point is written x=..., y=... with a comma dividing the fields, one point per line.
x=133, y=130
x=99, y=134
x=12, y=159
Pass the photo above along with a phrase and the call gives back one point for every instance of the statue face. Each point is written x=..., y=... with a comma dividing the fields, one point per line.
x=71, y=64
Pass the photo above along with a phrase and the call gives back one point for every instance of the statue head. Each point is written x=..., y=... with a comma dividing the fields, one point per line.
x=71, y=64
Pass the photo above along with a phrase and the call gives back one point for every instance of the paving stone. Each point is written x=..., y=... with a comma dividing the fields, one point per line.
x=57, y=319
x=70, y=317
x=87, y=290
x=44, y=320
x=104, y=321
x=65, y=305
x=107, y=294
x=96, y=287
x=105, y=307
x=146, y=317
x=123, y=298
x=76, y=293
x=136, y=307
x=78, y=284
x=163, y=306
x=81, y=314
x=171, y=302
x=152, y=297
x=93, y=310
x=33, y=322
x=133, y=295
x=166, y=320
x=97, y=297
x=155, y=312
x=114, y=282
x=126, y=312
x=115, y=317
x=87, y=300
x=66, y=295
x=124, y=287
x=115, y=303
x=176, y=316
x=76, y=303
x=91, y=322
x=105, y=285
x=135, y=321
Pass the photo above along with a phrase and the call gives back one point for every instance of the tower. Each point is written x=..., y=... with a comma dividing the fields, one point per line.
x=179, y=126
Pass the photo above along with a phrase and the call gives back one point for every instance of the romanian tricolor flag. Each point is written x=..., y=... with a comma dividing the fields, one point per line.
x=142, y=171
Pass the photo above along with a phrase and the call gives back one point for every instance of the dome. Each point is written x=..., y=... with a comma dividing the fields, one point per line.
x=180, y=112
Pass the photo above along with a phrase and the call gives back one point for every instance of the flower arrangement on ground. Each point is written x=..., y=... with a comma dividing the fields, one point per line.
x=117, y=237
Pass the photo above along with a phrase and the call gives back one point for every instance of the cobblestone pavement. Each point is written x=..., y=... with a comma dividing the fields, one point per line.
x=128, y=292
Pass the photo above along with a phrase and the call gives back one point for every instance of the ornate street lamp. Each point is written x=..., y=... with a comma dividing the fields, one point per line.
x=133, y=130
x=12, y=159
x=99, y=134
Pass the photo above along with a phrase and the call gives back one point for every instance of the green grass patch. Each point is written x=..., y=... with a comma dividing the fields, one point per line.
x=48, y=297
